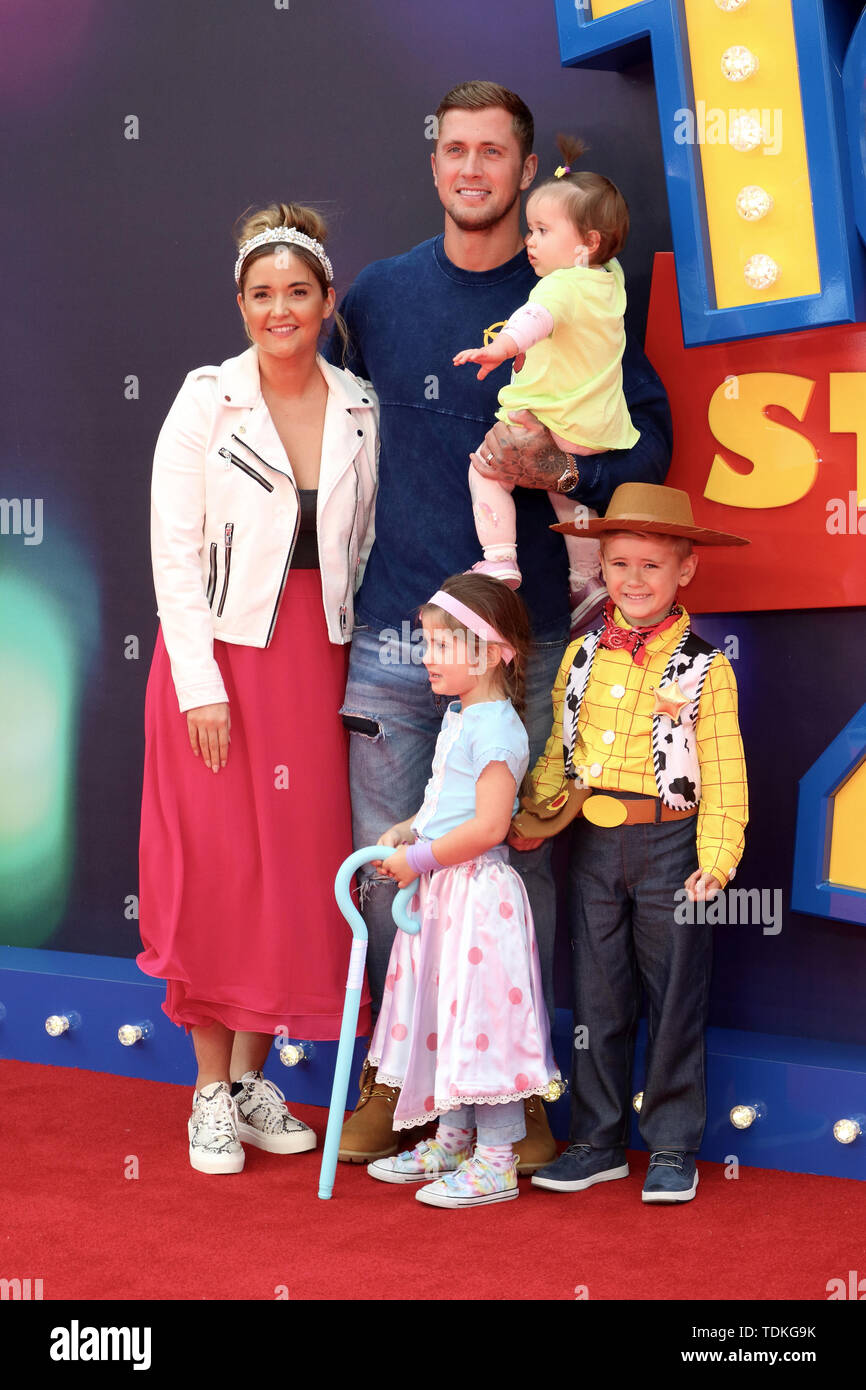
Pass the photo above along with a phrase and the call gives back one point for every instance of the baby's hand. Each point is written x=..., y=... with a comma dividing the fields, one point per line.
x=502, y=347
x=488, y=357
x=702, y=885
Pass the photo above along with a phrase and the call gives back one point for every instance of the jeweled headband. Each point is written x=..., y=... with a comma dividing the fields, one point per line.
x=284, y=234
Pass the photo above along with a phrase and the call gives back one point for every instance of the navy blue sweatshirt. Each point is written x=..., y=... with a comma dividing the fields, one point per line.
x=407, y=317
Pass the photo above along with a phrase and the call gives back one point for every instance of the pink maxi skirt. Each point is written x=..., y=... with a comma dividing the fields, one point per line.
x=236, y=888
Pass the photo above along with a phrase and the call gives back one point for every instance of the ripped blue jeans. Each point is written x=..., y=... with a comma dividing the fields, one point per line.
x=394, y=718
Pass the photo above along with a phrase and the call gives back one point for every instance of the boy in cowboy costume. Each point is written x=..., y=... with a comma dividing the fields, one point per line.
x=646, y=750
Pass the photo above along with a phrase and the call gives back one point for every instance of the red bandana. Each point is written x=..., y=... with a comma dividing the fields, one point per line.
x=633, y=639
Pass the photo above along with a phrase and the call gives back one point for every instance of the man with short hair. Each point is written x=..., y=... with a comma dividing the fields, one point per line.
x=407, y=316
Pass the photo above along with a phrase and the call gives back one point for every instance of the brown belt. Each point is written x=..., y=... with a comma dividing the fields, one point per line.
x=606, y=809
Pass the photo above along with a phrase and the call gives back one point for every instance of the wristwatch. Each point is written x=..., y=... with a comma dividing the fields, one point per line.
x=570, y=477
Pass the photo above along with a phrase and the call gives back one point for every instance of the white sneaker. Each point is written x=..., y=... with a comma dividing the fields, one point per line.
x=213, y=1137
x=264, y=1121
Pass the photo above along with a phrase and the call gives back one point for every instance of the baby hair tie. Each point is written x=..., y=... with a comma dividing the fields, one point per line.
x=563, y=169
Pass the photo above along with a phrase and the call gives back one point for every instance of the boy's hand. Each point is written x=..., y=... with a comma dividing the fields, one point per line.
x=702, y=885
x=517, y=842
x=397, y=867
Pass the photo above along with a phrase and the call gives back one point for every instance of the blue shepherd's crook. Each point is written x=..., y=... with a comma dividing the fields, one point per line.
x=354, y=984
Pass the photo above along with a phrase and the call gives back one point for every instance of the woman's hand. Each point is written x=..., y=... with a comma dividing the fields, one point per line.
x=210, y=731
x=396, y=866
x=701, y=886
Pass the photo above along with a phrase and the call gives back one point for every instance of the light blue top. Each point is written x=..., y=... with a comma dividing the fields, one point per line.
x=469, y=739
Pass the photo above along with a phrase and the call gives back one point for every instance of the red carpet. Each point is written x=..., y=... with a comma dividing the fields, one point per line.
x=71, y=1218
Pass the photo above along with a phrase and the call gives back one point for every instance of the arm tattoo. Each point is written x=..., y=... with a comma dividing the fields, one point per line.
x=530, y=460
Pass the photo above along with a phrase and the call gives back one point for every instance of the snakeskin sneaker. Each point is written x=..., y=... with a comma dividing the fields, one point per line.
x=213, y=1134
x=263, y=1119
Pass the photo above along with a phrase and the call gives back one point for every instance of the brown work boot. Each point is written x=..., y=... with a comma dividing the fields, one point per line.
x=368, y=1133
x=539, y=1146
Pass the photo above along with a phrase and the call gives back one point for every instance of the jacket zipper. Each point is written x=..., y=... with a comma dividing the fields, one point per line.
x=350, y=582
x=252, y=451
x=230, y=527
x=211, y=583
x=245, y=467
x=250, y=448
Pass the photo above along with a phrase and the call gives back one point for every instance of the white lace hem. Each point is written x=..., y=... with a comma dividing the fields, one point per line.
x=455, y=1102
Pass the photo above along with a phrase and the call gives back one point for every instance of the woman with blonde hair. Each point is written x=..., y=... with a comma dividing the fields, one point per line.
x=264, y=482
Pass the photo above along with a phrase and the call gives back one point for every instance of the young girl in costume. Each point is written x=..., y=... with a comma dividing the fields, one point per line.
x=570, y=339
x=463, y=1029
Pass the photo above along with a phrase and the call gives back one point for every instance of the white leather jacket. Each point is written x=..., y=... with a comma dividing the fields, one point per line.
x=225, y=513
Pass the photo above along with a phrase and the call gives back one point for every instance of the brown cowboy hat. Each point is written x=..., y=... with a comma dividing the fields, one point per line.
x=646, y=507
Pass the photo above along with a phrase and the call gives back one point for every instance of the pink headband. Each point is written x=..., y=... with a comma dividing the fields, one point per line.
x=472, y=620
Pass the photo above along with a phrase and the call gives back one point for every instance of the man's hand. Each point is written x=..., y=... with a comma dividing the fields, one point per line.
x=525, y=455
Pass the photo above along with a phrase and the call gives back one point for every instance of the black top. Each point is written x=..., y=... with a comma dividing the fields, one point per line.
x=306, y=556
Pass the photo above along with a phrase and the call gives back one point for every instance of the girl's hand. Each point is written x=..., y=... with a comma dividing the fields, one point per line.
x=702, y=886
x=393, y=837
x=209, y=729
x=396, y=866
x=517, y=842
x=399, y=834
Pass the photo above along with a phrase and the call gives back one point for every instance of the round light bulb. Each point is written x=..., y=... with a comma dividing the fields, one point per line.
x=739, y=63
x=754, y=202
x=130, y=1033
x=728, y=6
x=56, y=1024
x=745, y=133
x=291, y=1054
x=637, y=1101
x=846, y=1131
x=743, y=1115
x=760, y=272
